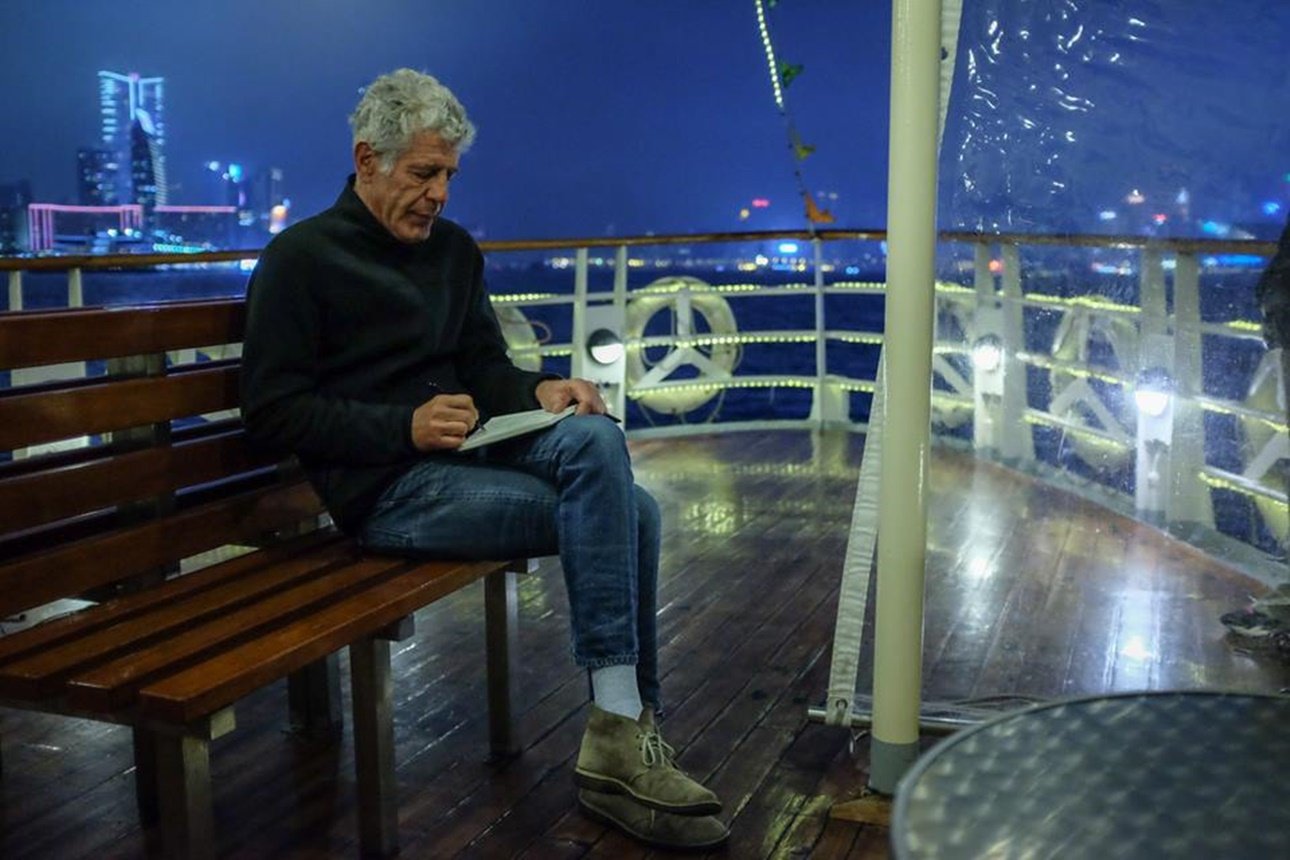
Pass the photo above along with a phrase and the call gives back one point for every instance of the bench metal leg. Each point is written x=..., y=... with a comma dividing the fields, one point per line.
x=145, y=775
x=313, y=698
x=184, y=783
x=501, y=623
x=373, y=689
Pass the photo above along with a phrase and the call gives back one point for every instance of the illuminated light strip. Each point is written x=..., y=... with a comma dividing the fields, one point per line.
x=864, y=338
x=518, y=298
x=718, y=340
x=1239, y=410
x=1249, y=329
x=770, y=55
x=196, y=210
x=708, y=466
x=1032, y=416
x=857, y=385
x=1090, y=302
x=1074, y=370
x=1219, y=479
x=857, y=285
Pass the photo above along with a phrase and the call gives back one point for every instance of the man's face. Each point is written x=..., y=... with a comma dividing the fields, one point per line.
x=408, y=198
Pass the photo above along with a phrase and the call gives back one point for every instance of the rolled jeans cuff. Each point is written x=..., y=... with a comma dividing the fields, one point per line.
x=602, y=662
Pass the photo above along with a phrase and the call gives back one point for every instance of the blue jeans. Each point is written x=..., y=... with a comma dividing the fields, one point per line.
x=567, y=489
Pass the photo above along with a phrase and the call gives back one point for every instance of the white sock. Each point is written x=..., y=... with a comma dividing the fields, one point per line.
x=613, y=688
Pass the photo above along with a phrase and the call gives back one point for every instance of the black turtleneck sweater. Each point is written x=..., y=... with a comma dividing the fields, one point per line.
x=349, y=330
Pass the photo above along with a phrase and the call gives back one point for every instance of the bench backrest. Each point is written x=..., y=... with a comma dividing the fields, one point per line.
x=129, y=460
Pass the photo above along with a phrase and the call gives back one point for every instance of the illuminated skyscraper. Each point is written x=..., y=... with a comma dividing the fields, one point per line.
x=130, y=105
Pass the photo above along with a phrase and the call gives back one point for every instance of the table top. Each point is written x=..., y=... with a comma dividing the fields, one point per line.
x=1141, y=775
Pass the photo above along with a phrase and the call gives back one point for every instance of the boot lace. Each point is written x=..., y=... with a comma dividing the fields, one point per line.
x=655, y=750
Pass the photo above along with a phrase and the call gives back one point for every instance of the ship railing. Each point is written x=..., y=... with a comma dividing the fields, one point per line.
x=1068, y=365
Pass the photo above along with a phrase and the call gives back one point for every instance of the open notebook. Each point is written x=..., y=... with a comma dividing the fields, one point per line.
x=501, y=427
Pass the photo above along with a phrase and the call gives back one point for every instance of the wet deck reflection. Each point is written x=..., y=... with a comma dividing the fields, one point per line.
x=1030, y=592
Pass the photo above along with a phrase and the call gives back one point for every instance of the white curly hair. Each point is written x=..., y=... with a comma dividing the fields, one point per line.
x=397, y=106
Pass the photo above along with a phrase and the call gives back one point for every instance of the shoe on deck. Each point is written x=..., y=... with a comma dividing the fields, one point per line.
x=630, y=757
x=1275, y=603
x=1250, y=623
x=652, y=827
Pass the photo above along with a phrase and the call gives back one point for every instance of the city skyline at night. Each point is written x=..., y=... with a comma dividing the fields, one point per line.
x=659, y=117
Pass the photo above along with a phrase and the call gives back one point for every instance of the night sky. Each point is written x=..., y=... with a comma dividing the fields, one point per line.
x=595, y=118
x=622, y=117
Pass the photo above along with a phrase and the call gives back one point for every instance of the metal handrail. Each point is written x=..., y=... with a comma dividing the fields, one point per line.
x=831, y=388
x=1180, y=245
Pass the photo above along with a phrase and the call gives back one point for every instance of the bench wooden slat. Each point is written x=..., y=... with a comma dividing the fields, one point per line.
x=46, y=497
x=68, y=628
x=171, y=654
x=79, y=566
x=112, y=686
x=221, y=681
x=30, y=419
x=36, y=676
x=32, y=339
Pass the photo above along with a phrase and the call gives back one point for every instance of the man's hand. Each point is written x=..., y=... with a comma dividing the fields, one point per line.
x=556, y=394
x=443, y=421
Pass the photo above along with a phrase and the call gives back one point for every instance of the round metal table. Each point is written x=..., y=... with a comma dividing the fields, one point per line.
x=1143, y=775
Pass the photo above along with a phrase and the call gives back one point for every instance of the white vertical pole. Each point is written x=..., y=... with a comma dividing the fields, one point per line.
x=75, y=289
x=1018, y=443
x=15, y=290
x=1189, y=499
x=821, y=351
x=987, y=411
x=902, y=511
x=617, y=392
x=1153, y=471
x=579, y=313
x=620, y=280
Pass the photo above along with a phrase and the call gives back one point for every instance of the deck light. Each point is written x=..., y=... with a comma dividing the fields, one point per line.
x=604, y=346
x=1153, y=391
x=987, y=353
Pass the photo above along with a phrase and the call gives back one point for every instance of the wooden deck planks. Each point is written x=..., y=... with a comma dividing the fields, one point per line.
x=1029, y=592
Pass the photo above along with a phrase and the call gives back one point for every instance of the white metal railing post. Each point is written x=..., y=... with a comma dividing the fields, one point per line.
x=620, y=281
x=579, y=358
x=75, y=289
x=1018, y=443
x=15, y=290
x=1190, y=500
x=829, y=403
x=982, y=277
x=987, y=374
x=1153, y=393
x=910, y=311
x=616, y=388
x=821, y=351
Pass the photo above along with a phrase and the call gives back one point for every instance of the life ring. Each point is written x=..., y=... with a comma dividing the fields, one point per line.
x=522, y=344
x=683, y=297
x=1267, y=394
x=1105, y=448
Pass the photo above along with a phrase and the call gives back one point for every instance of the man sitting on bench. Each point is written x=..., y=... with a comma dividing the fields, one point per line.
x=371, y=352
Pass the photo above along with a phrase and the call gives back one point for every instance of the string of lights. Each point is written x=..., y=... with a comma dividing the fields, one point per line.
x=780, y=76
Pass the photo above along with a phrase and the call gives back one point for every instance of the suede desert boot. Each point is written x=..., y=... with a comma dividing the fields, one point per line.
x=625, y=756
x=653, y=828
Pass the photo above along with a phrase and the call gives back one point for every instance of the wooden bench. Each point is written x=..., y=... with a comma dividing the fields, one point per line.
x=168, y=646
